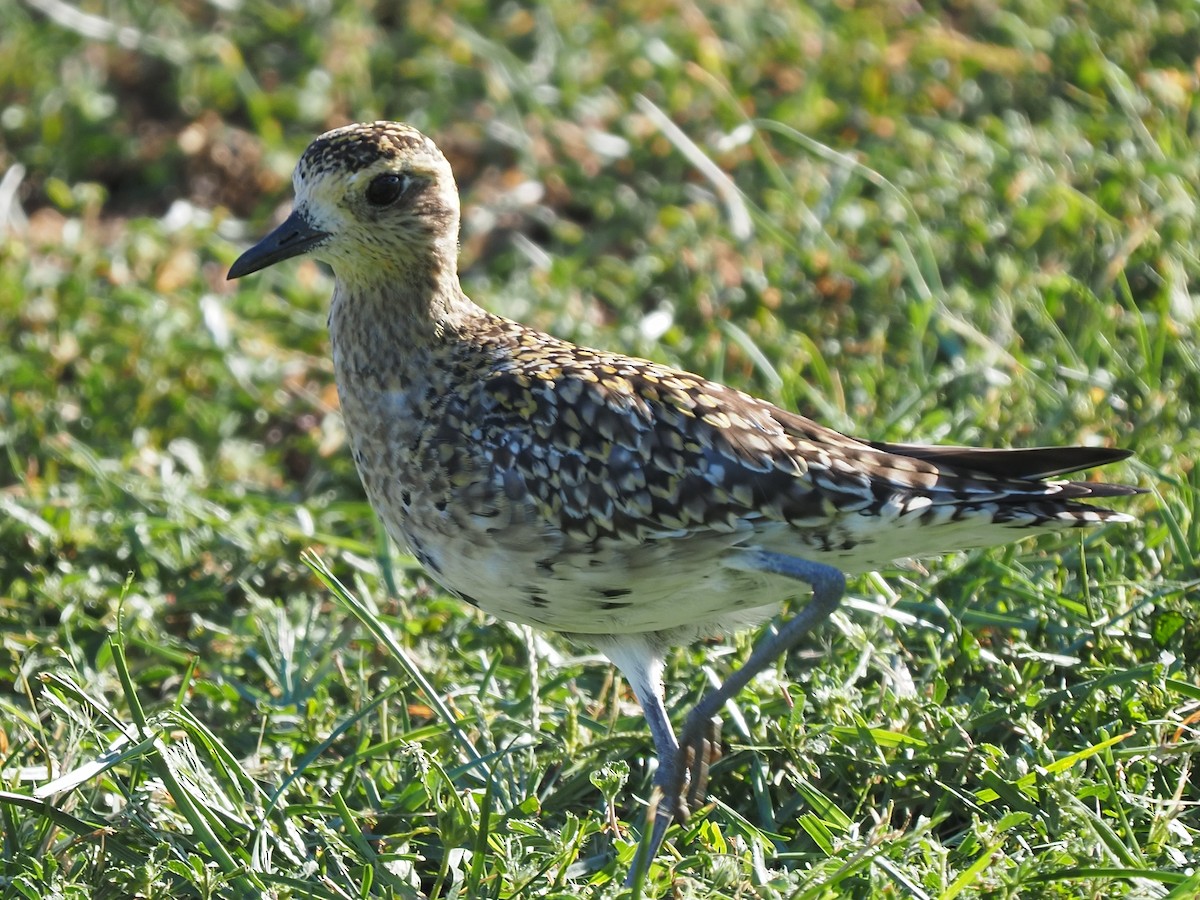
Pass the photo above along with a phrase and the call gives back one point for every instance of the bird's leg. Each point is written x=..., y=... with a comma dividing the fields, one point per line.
x=641, y=663
x=667, y=802
x=828, y=586
x=699, y=758
x=678, y=758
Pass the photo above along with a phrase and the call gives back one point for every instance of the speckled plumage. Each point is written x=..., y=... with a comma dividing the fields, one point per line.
x=512, y=463
x=596, y=494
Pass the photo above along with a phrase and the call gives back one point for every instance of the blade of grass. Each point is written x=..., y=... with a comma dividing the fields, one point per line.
x=384, y=636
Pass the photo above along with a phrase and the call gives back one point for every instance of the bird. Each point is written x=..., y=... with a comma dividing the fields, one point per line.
x=625, y=503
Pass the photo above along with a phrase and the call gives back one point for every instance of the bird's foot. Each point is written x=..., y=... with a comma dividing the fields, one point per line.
x=699, y=748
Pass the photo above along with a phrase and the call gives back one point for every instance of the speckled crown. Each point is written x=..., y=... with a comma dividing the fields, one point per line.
x=355, y=147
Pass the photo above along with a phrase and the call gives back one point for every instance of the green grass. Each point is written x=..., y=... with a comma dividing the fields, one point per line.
x=971, y=225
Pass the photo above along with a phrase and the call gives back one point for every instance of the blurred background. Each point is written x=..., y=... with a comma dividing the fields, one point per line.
x=966, y=222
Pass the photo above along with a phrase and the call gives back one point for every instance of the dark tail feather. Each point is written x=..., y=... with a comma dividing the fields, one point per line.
x=1027, y=464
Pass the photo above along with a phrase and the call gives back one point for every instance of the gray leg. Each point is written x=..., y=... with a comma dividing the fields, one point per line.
x=640, y=660
x=828, y=586
x=667, y=802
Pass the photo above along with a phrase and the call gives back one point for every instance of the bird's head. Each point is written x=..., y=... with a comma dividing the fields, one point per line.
x=371, y=200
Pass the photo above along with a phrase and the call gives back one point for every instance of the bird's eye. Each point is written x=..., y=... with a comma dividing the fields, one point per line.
x=384, y=189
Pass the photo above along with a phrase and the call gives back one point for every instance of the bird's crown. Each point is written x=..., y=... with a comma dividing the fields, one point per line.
x=353, y=148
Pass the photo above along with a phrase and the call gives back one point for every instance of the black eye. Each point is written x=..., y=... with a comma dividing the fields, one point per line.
x=384, y=189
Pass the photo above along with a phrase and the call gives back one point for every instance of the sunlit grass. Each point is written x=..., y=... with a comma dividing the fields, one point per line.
x=967, y=226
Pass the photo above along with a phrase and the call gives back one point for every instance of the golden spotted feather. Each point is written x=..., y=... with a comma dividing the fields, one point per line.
x=606, y=446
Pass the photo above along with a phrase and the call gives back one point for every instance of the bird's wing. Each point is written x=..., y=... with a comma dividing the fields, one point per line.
x=608, y=445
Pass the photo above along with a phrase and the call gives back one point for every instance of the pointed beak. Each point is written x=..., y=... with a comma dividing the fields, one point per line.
x=295, y=236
